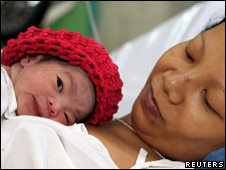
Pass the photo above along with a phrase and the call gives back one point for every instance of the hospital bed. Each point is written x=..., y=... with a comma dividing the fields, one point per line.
x=135, y=59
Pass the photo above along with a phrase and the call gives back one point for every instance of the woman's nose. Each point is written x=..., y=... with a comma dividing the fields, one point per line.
x=54, y=106
x=175, y=85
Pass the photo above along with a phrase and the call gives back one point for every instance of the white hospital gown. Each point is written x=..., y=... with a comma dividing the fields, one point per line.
x=29, y=142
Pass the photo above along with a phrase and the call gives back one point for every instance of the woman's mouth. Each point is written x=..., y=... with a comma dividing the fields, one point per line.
x=151, y=104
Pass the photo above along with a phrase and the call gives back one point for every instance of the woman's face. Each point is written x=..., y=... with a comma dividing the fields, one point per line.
x=62, y=93
x=181, y=109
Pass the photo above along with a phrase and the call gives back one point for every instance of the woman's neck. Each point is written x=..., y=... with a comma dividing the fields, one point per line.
x=122, y=143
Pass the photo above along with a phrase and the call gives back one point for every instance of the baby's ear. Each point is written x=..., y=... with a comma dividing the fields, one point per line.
x=28, y=60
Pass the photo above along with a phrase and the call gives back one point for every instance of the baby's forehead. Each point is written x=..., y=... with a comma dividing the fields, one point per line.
x=56, y=61
x=63, y=66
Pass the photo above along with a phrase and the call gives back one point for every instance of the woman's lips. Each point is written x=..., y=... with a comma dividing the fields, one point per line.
x=150, y=103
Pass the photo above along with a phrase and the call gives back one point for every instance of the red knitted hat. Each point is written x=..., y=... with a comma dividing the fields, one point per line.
x=84, y=52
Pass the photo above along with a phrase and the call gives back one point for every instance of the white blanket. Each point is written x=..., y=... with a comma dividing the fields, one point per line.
x=29, y=142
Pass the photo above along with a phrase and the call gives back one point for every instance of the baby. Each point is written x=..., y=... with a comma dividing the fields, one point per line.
x=59, y=75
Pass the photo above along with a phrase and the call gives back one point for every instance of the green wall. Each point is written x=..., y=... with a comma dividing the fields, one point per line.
x=75, y=19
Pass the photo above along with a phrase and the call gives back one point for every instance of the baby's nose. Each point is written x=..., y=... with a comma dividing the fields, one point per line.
x=54, y=106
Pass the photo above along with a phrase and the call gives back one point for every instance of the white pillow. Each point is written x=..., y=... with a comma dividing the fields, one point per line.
x=137, y=58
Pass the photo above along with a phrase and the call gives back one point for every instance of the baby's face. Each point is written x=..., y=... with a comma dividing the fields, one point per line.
x=62, y=93
x=186, y=118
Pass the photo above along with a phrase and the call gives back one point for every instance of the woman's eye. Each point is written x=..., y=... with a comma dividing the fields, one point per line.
x=66, y=117
x=59, y=84
x=189, y=57
x=207, y=103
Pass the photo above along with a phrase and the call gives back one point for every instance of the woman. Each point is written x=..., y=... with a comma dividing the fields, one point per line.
x=181, y=110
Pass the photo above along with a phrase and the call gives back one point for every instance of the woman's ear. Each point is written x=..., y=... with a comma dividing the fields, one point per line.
x=28, y=60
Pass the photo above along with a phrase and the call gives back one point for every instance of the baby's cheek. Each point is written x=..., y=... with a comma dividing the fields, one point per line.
x=42, y=83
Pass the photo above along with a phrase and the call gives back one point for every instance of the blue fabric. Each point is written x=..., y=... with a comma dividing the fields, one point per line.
x=218, y=155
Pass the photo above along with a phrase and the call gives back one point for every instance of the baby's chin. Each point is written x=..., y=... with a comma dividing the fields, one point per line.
x=18, y=113
x=22, y=111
